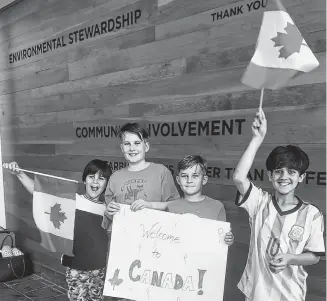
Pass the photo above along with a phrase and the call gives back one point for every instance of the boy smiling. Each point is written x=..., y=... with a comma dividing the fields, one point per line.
x=191, y=178
x=286, y=232
x=142, y=184
x=85, y=271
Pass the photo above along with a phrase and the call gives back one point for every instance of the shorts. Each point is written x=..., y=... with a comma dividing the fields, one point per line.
x=85, y=285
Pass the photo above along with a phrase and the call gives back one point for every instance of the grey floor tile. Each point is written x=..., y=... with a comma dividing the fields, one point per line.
x=32, y=288
x=44, y=293
x=54, y=277
x=8, y=294
x=59, y=298
x=31, y=285
x=21, y=280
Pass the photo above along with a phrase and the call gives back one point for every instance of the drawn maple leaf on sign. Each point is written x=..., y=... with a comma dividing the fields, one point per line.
x=291, y=41
x=57, y=217
x=115, y=281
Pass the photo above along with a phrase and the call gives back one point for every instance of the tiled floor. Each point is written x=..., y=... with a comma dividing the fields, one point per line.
x=32, y=288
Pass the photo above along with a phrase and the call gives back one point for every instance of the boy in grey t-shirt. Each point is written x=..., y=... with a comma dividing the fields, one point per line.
x=142, y=184
x=191, y=178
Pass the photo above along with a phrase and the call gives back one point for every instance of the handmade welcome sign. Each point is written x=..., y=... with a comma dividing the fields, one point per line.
x=158, y=256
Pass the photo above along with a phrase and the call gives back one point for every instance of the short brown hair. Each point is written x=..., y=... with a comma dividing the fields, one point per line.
x=190, y=161
x=136, y=128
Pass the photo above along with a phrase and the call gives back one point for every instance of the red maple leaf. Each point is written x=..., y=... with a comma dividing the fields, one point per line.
x=291, y=41
x=56, y=216
x=115, y=280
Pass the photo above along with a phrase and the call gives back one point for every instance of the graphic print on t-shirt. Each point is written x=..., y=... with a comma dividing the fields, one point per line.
x=133, y=190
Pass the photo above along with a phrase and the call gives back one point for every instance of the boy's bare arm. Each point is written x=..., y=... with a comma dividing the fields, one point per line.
x=27, y=182
x=259, y=129
x=158, y=205
x=141, y=204
x=307, y=258
x=281, y=261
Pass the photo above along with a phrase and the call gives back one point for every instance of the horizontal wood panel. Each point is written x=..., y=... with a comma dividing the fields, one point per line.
x=136, y=15
x=145, y=73
x=55, y=80
x=186, y=45
x=226, y=126
x=170, y=10
x=177, y=9
x=48, y=8
x=140, y=55
x=172, y=151
x=237, y=10
x=216, y=81
x=35, y=112
x=289, y=96
x=18, y=11
x=61, y=13
x=151, y=72
x=98, y=98
x=36, y=79
x=19, y=26
x=68, y=22
x=74, y=52
x=210, y=58
x=36, y=149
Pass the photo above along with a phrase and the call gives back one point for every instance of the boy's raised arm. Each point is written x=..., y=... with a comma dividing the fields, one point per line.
x=27, y=182
x=240, y=176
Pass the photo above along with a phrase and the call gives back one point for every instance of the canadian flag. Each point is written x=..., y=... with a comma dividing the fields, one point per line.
x=281, y=52
x=54, y=205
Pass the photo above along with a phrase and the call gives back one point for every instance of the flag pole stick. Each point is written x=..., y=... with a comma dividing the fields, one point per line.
x=261, y=98
x=46, y=175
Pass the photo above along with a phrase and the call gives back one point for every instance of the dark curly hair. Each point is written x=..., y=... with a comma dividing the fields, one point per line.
x=290, y=156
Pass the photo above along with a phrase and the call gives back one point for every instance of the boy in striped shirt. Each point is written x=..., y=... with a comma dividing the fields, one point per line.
x=286, y=232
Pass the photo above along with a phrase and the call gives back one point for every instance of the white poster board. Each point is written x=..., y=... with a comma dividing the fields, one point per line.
x=160, y=256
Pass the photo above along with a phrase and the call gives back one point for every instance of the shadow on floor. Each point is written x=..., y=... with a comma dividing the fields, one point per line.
x=32, y=288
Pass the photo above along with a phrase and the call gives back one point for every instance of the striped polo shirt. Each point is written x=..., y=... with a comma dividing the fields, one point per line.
x=273, y=232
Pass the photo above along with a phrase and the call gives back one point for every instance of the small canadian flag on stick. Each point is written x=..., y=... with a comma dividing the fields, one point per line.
x=281, y=52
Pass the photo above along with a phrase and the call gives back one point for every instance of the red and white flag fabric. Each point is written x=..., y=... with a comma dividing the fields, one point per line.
x=281, y=52
x=54, y=204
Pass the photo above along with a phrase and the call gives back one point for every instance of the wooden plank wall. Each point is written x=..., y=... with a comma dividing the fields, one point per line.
x=174, y=65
